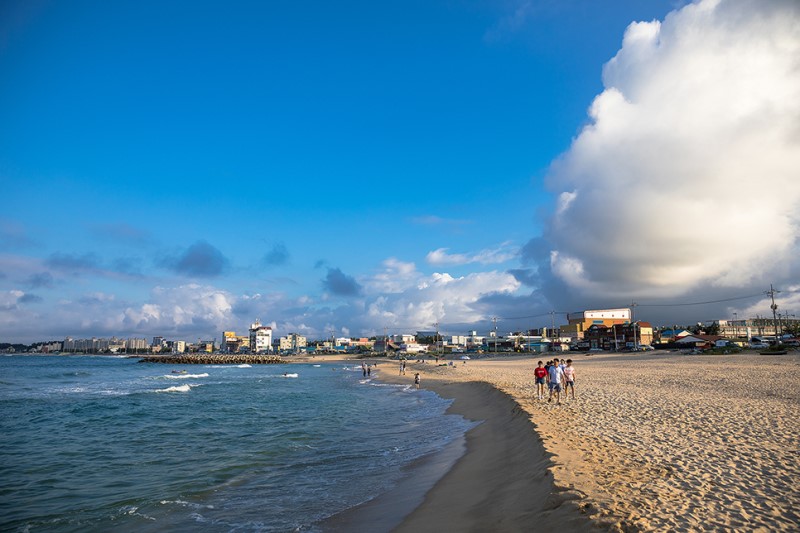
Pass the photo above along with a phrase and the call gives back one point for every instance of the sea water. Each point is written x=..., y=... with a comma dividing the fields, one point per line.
x=104, y=443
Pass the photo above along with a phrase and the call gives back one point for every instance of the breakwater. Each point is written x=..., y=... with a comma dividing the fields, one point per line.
x=214, y=359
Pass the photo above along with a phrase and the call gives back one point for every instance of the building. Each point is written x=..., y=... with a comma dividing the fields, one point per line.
x=403, y=339
x=293, y=343
x=671, y=334
x=699, y=341
x=758, y=327
x=619, y=336
x=413, y=347
x=233, y=343
x=178, y=346
x=578, y=323
x=136, y=345
x=205, y=346
x=260, y=338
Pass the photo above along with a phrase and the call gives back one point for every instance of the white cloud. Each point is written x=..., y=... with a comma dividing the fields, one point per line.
x=500, y=254
x=439, y=297
x=687, y=174
x=395, y=276
x=9, y=299
x=787, y=300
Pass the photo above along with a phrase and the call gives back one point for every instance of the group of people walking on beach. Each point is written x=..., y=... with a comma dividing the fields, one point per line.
x=558, y=375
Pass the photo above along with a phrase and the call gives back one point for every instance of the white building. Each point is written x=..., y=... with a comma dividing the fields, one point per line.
x=458, y=340
x=134, y=344
x=260, y=338
x=179, y=347
x=413, y=347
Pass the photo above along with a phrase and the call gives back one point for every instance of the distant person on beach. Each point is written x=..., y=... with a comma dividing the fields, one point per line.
x=416, y=379
x=369, y=370
x=569, y=379
x=364, y=369
x=556, y=377
x=540, y=372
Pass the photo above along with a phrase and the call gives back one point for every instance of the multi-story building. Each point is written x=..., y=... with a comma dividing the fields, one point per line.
x=205, y=346
x=293, y=343
x=403, y=339
x=619, y=336
x=758, y=327
x=580, y=322
x=233, y=343
x=260, y=338
x=458, y=340
x=178, y=346
x=136, y=345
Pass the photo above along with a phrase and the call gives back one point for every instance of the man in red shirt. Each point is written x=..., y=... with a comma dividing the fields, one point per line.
x=540, y=372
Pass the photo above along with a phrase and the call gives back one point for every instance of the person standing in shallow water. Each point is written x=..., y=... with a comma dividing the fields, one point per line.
x=416, y=379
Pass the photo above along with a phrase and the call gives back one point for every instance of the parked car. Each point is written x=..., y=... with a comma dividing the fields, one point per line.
x=759, y=345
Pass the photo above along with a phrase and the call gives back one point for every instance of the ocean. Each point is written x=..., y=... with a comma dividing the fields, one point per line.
x=98, y=443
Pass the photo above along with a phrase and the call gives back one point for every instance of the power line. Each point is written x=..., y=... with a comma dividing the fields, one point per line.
x=532, y=316
x=703, y=303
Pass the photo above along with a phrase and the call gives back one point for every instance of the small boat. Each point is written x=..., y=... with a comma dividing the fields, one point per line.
x=180, y=371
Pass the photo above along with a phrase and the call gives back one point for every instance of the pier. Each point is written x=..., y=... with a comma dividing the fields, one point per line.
x=214, y=359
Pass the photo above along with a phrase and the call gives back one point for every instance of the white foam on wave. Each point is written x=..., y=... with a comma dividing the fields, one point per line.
x=186, y=376
x=317, y=366
x=133, y=510
x=290, y=375
x=183, y=503
x=244, y=366
x=178, y=388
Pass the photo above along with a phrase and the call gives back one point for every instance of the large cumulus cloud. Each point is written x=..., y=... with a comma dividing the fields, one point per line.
x=688, y=174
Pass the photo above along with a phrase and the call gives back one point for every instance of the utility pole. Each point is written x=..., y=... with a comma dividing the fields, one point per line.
x=633, y=324
x=494, y=320
x=771, y=293
x=436, y=339
x=385, y=341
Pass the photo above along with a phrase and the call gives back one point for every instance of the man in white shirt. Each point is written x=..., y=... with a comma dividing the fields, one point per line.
x=556, y=378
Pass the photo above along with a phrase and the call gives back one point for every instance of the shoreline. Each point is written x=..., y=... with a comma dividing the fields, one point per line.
x=496, y=478
x=502, y=483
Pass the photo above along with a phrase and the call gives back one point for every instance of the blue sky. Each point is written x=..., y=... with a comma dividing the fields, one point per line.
x=180, y=168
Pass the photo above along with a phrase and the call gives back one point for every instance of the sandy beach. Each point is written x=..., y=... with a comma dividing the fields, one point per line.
x=653, y=442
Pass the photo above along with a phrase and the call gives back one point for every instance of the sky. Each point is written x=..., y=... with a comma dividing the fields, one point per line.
x=353, y=168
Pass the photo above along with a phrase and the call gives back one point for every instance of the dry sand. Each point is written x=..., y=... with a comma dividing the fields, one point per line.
x=653, y=442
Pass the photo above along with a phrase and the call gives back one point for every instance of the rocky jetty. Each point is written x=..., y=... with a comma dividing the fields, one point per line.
x=214, y=359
